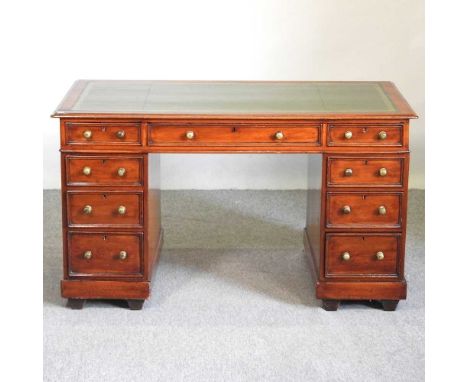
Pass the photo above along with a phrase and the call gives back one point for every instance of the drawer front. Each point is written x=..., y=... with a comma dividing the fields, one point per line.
x=89, y=133
x=359, y=210
x=117, y=209
x=105, y=254
x=366, y=134
x=233, y=134
x=365, y=172
x=104, y=170
x=362, y=255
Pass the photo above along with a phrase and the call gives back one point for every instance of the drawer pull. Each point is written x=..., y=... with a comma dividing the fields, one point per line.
x=120, y=134
x=279, y=135
x=87, y=170
x=383, y=135
x=190, y=134
x=87, y=255
x=87, y=209
x=382, y=210
x=380, y=255
x=348, y=134
x=383, y=171
x=348, y=172
x=346, y=256
x=122, y=255
x=121, y=171
x=87, y=134
x=122, y=210
x=346, y=210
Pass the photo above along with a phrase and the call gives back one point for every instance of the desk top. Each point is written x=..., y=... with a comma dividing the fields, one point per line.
x=233, y=99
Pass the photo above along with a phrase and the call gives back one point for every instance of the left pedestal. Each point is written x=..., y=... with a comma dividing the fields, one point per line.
x=111, y=227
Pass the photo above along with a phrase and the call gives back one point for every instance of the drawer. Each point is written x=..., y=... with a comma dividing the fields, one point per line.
x=105, y=254
x=362, y=255
x=365, y=171
x=225, y=134
x=358, y=210
x=365, y=134
x=104, y=170
x=94, y=133
x=114, y=209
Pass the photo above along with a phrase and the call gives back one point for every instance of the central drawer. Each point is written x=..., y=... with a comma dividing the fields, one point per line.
x=105, y=254
x=113, y=209
x=225, y=134
x=363, y=210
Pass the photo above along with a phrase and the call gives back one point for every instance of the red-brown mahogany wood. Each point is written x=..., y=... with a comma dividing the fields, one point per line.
x=353, y=255
x=105, y=165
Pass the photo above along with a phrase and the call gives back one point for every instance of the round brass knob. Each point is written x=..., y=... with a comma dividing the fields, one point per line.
x=346, y=256
x=87, y=170
x=383, y=171
x=346, y=210
x=87, y=134
x=120, y=134
x=279, y=135
x=87, y=255
x=121, y=171
x=382, y=210
x=122, y=255
x=190, y=134
x=87, y=209
x=122, y=210
x=348, y=134
x=348, y=172
x=383, y=135
x=380, y=255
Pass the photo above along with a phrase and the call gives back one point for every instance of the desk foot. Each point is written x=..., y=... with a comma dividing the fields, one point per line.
x=330, y=305
x=389, y=305
x=75, y=303
x=135, y=304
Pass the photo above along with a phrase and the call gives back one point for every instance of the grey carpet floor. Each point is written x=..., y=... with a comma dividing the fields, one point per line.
x=233, y=300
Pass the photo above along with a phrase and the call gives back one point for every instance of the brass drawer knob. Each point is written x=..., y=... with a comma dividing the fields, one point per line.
x=346, y=256
x=87, y=134
x=279, y=135
x=380, y=255
x=382, y=210
x=122, y=255
x=120, y=134
x=346, y=210
x=190, y=134
x=121, y=171
x=87, y=255
x=87, y=209
x=383, y=171
x=383, y=135
x=122, y=210
x=348, y=172
x=348, y=134
x=87, y=170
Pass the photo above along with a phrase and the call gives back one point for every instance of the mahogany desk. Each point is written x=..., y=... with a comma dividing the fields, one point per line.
x=354, y=234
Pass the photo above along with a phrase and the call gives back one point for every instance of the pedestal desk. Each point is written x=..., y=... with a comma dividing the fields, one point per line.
x=355, y=232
